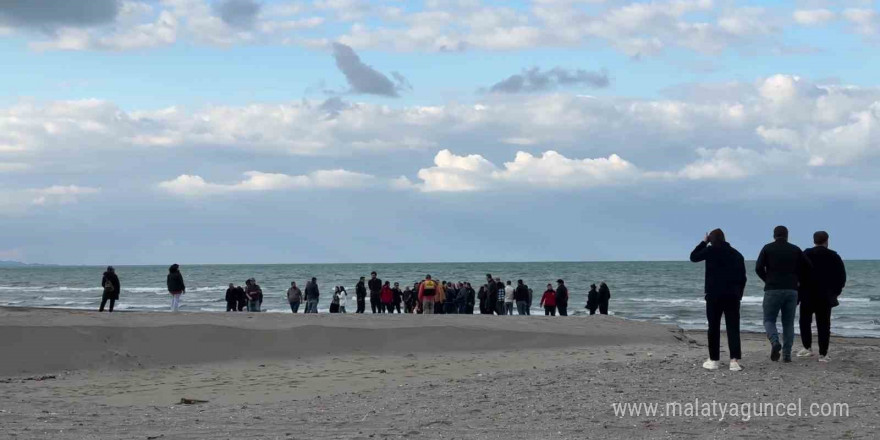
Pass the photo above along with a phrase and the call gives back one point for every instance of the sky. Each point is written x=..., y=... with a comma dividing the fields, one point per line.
x=337, y=131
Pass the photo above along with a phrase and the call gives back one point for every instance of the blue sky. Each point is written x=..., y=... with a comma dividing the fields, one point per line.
x=135, y=131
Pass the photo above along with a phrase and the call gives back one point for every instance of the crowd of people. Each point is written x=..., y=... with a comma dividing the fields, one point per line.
x=814, y=278
x=428, y=296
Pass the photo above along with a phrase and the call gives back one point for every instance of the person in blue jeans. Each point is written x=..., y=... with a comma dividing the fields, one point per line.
x=781, y=265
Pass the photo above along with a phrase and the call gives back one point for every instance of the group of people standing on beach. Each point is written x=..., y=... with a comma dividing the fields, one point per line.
x=814, y=278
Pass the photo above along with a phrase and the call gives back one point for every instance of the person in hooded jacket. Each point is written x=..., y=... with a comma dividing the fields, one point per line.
x=176, y=286
x=548, y=301
x=561, y=298
x=231, y=300
x=724, y=287
x=360, y=292
x=818, y=294
x=604, y=298
x=592, y=300
x=112, y=287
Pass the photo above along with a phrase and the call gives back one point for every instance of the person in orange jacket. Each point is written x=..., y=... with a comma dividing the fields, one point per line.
x=430, y=292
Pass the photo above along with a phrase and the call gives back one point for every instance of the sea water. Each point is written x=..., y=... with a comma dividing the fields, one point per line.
x=665, y=292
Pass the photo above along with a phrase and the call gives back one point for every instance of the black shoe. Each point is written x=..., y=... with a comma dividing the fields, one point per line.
x=786, y=359
x=774, y=354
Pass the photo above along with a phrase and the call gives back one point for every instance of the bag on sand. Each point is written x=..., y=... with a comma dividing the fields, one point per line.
x=109, y=289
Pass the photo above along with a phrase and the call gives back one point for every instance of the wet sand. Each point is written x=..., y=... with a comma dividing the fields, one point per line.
x=84, y=375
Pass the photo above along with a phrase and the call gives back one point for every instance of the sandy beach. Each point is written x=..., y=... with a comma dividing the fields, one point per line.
x=84, y=375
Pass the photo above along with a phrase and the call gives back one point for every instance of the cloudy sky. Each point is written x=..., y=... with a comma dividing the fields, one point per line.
x=234, y=131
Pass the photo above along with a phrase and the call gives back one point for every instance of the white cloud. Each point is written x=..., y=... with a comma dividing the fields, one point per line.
x=255, y=181
x=866, y=21
x=812, y=17
x=453, y=173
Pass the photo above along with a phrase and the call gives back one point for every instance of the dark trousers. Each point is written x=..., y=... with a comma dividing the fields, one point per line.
x=729, y=307
x=362, y=305
x=450, y=308
x=603, y=307
x=231, y=306
x=823, y=326
x=294, y=307
x=562, y=309
x=593, y=311
x=549, y=310
x=241, y=304
x=395, y=306
x=469, y=309
x=375, y=304
x=104, y=300
x=499, y=308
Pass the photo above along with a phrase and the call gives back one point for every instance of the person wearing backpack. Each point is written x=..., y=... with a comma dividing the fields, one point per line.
x=427, y=293
x=110, y=283
x=176, y=287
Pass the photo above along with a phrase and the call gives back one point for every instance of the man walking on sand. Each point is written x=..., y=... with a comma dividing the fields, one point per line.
x=375, y=285
x=781, y=265
x=818, y=294
x=427, y=293
x=724, y=287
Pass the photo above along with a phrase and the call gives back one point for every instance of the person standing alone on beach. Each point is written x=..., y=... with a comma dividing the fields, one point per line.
x=548, y=301
x=112, y=287
x=312, y=296
x=375, y=285
x=360, y=292
x=724, y=287
x=561, y=298
x=818, y=294
x=294, y=297
x=781, y=266
x=176, y=287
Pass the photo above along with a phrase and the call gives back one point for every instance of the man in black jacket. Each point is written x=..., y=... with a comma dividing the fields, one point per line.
x=360, y=291
x=375, y=285
x=313, y=295
x=112, y=287
x=561, y=298
x=521, y=296
x=489, y=307
x=231, y=300
x=818, y=294
x=781, y=265
x=724, y=287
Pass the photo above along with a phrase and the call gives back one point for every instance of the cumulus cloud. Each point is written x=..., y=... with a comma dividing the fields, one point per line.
x=453, y=173
x=192, y=185
x=50, y=14
x=238, y=13
x=361, y=77
x=536, y=80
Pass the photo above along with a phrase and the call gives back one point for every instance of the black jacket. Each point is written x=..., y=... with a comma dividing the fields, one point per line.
x=471, y=296
x=110, y=276
x=231, y=295
x=826, y=279
x=312, y=291
x=521, y=293
x=175, y=282
x=562, y=296
x=375, y=285
x=725, y=269
x=593, y=299
x=360, y=291
x=781, y=265
x=240, y=296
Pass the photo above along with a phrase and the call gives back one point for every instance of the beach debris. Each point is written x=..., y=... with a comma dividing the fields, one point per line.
x=154, y=437
x=189, y=401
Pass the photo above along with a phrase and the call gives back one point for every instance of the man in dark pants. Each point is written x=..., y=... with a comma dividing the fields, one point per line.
x=818, y=294
x=561, y=298
x=375, y=285
x=112, y=287
x=360, y=292
x=781, y=265
x=724, y=287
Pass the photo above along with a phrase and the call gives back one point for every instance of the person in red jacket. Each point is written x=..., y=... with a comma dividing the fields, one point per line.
x=386, y=298
x=549, y=301
x=428, y=292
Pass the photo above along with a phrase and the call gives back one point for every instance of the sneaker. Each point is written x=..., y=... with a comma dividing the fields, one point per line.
x=711, y=365
x=824, y=358
x=804, y=353
x=774, y=353
x=735, y=366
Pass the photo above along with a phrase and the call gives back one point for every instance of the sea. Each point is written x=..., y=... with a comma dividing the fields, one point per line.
x=663, y=292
